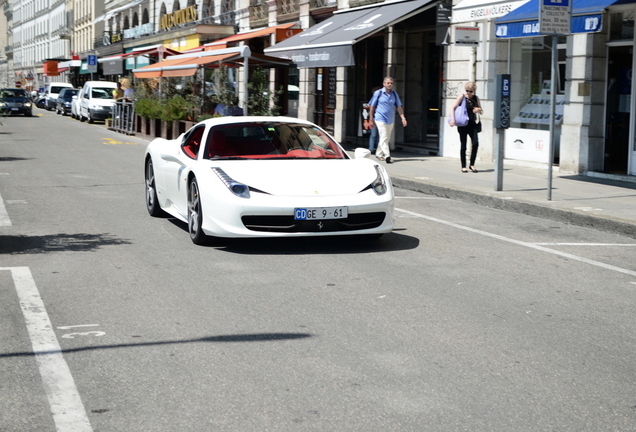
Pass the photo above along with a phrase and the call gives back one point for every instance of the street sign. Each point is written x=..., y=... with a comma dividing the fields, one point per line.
x=467, y=36
x=555, y=17
x=91, y=63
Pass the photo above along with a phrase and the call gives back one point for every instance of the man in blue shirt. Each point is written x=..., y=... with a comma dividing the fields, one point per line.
x=382, y=108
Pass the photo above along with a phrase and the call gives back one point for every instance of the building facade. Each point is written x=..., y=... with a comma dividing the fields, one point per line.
x=346, y=47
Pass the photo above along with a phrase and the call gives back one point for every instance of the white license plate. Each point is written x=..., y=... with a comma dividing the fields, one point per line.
x=318, y=213
x=15, y=109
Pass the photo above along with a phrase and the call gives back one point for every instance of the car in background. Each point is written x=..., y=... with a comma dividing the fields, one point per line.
x=251, y=177
x=52, y=92
x=75, y=105
x=96, y=100
x=64, y=100
x=15, y=101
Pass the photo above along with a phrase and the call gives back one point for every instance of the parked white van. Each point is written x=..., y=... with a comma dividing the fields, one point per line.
x=96, y=100
x=52, y=91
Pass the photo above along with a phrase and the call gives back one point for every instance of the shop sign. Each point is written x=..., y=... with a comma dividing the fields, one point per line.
x=467, y=35
x=141, y=30
x=179, y=17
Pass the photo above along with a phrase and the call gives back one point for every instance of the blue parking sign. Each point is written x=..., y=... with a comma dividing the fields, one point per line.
x=92, y=60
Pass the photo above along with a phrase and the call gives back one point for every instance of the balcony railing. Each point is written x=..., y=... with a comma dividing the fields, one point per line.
x=288, y=9
x=207, y=15
x=228, y=12
x=357, y=3
x=318, y=4
x=259, y=12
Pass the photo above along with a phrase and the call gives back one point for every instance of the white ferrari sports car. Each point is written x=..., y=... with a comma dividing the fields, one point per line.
x=266, y=177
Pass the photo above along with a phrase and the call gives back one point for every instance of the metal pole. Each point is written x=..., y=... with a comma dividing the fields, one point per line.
x=553, y=91
x=499, y=162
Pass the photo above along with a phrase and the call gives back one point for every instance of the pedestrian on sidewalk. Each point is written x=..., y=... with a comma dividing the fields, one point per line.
x=374, y=137
x=473, y=108
x=382, y=108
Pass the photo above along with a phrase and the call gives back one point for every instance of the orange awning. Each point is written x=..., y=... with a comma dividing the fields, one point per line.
x=222, y=43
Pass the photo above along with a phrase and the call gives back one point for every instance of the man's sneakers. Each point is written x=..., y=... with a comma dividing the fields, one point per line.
x=388, y=160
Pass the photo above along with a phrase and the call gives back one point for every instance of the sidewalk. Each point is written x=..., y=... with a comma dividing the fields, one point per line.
x=601, y=203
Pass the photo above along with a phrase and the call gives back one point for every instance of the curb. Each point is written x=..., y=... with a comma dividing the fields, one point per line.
x=530, y=209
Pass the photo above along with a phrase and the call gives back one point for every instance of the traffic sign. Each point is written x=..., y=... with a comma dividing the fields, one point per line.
x=91, y=62
x=555, y=17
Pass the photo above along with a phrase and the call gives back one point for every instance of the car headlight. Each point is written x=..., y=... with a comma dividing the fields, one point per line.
x=27, y=104
x=239, y=189
x=379, y=184
x=2, y=104
x=95, y=106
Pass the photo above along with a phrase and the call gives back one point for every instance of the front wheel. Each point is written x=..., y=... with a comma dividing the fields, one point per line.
x=195, y=215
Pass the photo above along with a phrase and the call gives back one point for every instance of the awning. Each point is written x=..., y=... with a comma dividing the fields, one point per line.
x=330, y=43
x=587, y=17
x=156, y=51
x=222, y=43
x=478, y=10
x=187, y=64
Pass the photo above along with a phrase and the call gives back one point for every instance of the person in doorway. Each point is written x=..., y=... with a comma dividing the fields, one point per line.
x=473, y=108
x=382, y=108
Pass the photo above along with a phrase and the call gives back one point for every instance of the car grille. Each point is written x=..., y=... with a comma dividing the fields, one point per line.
x=13, y=105
x=287, y=224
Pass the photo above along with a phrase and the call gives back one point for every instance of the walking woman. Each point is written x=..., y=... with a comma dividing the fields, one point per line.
x=473, y=108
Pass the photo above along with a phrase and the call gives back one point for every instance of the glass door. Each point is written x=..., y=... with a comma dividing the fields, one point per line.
x=618, y=109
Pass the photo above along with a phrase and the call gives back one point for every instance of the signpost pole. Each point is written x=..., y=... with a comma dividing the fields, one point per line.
x=553, y=91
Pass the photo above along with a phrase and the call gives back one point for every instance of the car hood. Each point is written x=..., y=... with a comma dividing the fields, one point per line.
x=303, y=177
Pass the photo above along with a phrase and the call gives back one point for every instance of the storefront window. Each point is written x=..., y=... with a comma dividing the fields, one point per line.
x=531, y=71
x=622, y=25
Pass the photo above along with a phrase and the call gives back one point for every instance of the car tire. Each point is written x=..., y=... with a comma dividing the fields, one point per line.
x=152, y=201
x=195, y=215
x=29, y=114
x=41, y=104
x=89, y=118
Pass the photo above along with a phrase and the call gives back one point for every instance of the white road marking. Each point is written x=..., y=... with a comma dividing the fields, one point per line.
x=65, y=403
x=521, y=243
x=4, y=216
x=586, y=244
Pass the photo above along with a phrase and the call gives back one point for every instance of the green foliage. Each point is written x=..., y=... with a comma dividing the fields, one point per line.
x=175, y=108
x=261, y=100
x=149, y=108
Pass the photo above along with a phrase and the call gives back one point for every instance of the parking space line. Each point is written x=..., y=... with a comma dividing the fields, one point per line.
x=4, y=216
x=521, y=243
x=65, y=403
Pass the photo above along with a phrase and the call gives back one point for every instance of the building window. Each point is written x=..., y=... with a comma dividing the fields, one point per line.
x=530, y=65
x=622, y=25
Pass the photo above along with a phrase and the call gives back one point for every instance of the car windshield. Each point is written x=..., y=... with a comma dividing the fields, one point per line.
x=57, y=89
x=271, y=140
x=101, y=93
x=12, y=93
x=68, y=94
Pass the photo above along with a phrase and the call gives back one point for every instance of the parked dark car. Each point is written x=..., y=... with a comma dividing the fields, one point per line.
x=15, y=101
x=64, y=100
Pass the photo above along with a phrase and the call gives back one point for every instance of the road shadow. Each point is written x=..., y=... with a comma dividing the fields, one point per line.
x=343, y=244
x=12, y=159
x=235, y=338
x=22, y=244
x=602, y=181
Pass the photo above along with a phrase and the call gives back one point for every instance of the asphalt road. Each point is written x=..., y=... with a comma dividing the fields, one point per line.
x=463, y=319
